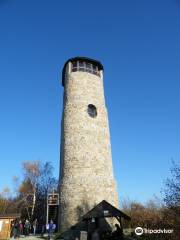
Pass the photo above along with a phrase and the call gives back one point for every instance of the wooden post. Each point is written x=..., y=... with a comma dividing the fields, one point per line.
x=120, y=222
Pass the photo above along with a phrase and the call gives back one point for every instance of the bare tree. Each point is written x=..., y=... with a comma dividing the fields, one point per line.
x=172, y=199
x=31, y=173
x=172, y=187
x=4, y=200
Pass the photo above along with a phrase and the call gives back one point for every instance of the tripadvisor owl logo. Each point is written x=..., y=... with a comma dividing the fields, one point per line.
x=138, y=231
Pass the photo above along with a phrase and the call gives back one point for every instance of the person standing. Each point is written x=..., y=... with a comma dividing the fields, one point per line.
x=16, y=229
x=43, y=229
x=34, y=226
x=20, y=228
x=50, y=228
x=26, y=227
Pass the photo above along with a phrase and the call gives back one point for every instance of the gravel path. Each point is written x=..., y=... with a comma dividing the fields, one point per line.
x=29, y=238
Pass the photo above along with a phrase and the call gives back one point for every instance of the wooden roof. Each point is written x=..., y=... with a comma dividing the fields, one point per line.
x=105, y=209
x=10, y=215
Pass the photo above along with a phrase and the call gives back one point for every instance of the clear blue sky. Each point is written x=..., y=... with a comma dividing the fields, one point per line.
x=138, y=43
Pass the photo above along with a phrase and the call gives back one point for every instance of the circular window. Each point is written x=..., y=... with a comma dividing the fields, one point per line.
x=92, y=110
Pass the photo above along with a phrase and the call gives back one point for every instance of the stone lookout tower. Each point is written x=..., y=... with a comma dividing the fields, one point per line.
x=86, y=172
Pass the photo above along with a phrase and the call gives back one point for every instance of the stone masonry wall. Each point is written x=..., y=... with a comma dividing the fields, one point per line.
x=86, y=164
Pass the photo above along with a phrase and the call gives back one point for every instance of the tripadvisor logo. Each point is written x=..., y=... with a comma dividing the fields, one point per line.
x=140, y=231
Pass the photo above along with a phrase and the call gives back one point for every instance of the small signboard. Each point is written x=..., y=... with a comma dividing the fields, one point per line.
x=53, y=199
x=106, y=212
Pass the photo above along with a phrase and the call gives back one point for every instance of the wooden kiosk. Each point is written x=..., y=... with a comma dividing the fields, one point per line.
x=5, y=224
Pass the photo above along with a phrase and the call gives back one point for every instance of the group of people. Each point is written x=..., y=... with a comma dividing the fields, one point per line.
x=20, y=227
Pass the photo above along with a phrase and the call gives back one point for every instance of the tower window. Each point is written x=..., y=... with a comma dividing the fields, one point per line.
x=81, y=64
x=74, y=66
x=95, y=69
x=85, y=67
x=92, y=110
